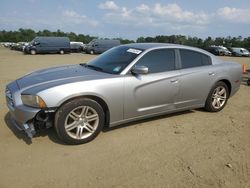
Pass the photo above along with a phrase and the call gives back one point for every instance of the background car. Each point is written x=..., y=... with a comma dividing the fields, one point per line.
x=215, y=50
x=48, y=45
x=77, y=46
x=98, y=46
x=219, y=50
x=226, y=51
x=126, y=83
x=240, y=52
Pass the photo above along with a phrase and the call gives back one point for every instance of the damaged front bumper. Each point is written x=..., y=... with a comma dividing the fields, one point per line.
x=29, y=129
x=42, y=120
x=23, y=117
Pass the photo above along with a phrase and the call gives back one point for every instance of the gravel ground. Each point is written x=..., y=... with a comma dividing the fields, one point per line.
x=189, y=149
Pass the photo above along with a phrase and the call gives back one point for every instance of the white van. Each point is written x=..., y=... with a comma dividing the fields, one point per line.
x=240, y=52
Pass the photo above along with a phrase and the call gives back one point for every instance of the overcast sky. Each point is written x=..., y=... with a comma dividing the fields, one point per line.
x=131, y=18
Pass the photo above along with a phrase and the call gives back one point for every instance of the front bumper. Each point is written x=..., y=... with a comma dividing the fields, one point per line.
x=21, y=115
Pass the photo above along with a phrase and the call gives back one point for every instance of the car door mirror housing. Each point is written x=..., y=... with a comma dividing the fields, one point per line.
x=139, y=70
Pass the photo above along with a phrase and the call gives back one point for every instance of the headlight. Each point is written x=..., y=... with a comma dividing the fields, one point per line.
x=33, y=101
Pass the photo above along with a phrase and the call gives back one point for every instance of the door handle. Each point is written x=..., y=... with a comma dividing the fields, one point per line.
x=174, y=81
x=211, y=73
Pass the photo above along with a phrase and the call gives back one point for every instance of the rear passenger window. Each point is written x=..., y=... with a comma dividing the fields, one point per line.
x=193, y=59
x=158, y=60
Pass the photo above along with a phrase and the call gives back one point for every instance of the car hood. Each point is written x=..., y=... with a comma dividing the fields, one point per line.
x=63, y=74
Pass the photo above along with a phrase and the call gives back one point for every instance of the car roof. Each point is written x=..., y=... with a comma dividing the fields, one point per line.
x=148, y=46
x=145, y=46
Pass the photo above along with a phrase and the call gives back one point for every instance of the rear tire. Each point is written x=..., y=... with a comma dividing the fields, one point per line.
x=61, y=51
x=217, y=97
x=91, y=52
x=79, y=121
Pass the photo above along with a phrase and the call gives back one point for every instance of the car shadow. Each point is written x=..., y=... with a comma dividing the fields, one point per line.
x=107, y=129
x=51, y=133
x=21, y=135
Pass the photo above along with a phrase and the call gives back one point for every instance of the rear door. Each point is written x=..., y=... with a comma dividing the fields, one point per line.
x=197, y=74
x=156, y=91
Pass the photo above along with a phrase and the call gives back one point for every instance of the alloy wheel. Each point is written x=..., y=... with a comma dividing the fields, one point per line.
x=81, y=122
x=219, y=97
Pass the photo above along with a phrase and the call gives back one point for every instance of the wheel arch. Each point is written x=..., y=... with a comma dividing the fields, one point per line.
x=228, y=83
x=98, y=99
x=224, y=80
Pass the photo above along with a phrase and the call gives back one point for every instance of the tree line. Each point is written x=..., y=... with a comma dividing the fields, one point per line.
x=26, y=35
x=198, y=42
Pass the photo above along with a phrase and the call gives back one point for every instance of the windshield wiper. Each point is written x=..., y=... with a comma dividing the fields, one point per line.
x=92, y=67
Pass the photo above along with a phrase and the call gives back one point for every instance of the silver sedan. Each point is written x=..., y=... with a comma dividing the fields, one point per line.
x=127, y=83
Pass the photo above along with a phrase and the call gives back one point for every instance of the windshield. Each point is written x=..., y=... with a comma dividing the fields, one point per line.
x=114, y=61
x=33, y=41
x=91, y=42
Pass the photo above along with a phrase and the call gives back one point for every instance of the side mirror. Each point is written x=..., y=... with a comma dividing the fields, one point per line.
x=139, y=70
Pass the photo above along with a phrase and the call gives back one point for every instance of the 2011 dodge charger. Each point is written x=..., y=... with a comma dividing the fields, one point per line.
x=126, y=83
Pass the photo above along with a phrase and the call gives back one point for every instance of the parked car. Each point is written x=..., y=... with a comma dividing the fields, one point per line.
x=77, y=46
x=19, y=46
x=98, y=46
x=126, y=83
x=219, y=50
x=48, y=45
x=226, y=51
x=9, y=45
x=240, y=52
x=216, y=50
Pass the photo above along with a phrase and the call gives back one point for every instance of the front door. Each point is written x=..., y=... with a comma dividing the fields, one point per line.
x=154, y=92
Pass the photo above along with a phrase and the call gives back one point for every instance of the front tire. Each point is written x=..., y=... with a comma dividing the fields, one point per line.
x=33, y=52
x=217, y=97
x=79, y=121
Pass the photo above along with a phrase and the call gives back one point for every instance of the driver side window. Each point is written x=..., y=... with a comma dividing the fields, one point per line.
x=157, y=61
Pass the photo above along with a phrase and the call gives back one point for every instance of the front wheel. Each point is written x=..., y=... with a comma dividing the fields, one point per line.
x=33, y=52
x=79, y=121
x=217, y=97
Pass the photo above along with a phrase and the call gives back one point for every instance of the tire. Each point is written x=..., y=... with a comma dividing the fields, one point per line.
x=61, y=51
x=79, y=121
x=91, y=52
x=217, y=97
x=33, y=52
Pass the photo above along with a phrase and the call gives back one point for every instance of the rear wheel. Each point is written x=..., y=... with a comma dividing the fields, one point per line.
x=79, y=121
x=217, y=97
x=92, y=52
x=61, y=51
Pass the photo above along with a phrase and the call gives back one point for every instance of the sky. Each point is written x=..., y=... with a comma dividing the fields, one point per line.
x=131, y=18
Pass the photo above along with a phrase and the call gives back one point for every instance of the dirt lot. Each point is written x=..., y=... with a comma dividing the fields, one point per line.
x=189, y=149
